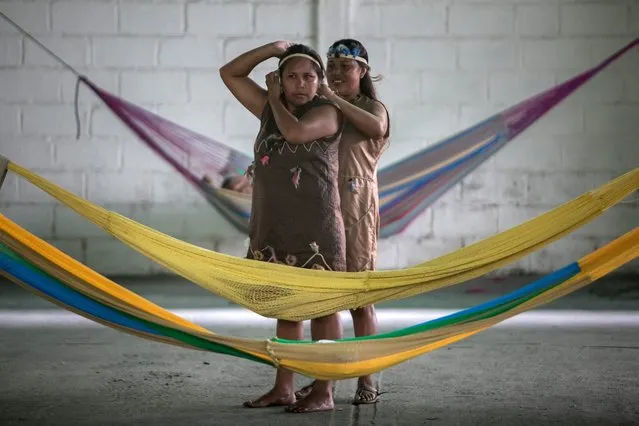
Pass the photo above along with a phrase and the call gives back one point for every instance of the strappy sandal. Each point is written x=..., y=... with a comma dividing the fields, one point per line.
x=366, y=395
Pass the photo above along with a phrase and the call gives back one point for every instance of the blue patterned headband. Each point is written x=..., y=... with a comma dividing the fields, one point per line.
x=342, y=51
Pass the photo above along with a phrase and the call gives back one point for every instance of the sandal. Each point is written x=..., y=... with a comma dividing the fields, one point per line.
x=366, y=395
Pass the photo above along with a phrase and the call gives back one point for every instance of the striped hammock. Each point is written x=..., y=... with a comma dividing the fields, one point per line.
x=406, y=188
x=44, y=270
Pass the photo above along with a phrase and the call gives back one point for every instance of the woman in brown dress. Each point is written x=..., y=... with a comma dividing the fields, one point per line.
x=295, y=213
x=365, y=137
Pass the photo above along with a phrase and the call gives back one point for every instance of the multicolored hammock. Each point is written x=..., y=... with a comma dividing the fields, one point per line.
x=406, y=188
x=281, y=291
x=44, y=270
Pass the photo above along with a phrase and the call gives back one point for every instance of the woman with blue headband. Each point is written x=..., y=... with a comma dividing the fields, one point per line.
x=364, y=138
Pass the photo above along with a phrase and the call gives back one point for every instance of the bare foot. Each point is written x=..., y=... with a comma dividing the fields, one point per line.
x=303, y=393
x=315, y=401
x=272, y=398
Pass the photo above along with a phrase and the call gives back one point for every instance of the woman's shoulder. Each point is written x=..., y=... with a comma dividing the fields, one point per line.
x=369, y=104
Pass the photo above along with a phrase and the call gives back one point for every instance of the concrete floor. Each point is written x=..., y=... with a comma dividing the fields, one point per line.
x=580, y=369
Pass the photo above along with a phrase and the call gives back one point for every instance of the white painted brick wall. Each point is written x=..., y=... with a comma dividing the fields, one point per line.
x=9, y=120
x=409, y=19
x=220, y=19
x=32, y=16
x=50, y=120
x=29, y=85
x=84, y=17
x=556, y=53
x=594, y=19
x=124, y=52
x=74, y=49
x=151, y=18
x=487, y=54
x=190, y=53
x=461, y=87
x=10, y=50
x=446, y=65
x=422, y=54
x=481, y=20
x=299, y=19
x=537, y=20
x=154, y=86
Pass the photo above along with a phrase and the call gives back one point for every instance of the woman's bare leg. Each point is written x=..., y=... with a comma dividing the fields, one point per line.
x=282, y=392
x=320, y=397
x=365, y=324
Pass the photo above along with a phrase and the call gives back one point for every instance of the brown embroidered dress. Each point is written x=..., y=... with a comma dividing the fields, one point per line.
x=295, y=212
x=358, y=156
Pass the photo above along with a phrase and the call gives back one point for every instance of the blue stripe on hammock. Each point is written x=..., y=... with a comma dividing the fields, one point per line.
x=414, y=156
x=416, y=184
x=54, y=289
x=396, y=226
x=545, y=282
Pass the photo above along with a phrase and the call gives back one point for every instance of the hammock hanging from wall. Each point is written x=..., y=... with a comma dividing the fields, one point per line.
x=44, y=270
x=406, y=188
x=280, y=291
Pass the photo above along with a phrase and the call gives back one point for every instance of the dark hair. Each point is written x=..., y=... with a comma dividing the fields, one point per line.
x=226, y=183
x=366, y=85
x=305, y=50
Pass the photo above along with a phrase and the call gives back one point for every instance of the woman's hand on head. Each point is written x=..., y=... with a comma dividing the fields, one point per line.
x=280, y=46
x=273, y=84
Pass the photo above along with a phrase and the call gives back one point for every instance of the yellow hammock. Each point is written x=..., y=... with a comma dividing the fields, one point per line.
x=285, y=292
x=335, y=360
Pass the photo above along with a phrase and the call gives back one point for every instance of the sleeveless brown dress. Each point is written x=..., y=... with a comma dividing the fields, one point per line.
x=358, y=157
x=295, y=213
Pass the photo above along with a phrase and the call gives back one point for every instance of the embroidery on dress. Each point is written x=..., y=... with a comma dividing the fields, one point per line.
x=259, y=254
x=275, y=143
x=352, y=185
x=290, y=259
x=316, y=250
x=297, y=172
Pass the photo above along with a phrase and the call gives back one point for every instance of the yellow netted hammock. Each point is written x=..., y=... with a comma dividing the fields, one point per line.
x=280, y=291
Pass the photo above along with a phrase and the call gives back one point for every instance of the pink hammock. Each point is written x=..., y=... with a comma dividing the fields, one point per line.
x=406, y=188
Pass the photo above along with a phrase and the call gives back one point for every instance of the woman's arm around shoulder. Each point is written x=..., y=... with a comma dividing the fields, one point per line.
x=373, y=123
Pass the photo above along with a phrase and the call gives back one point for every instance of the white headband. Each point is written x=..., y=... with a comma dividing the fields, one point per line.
x=299, y=55
x=357, y=58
